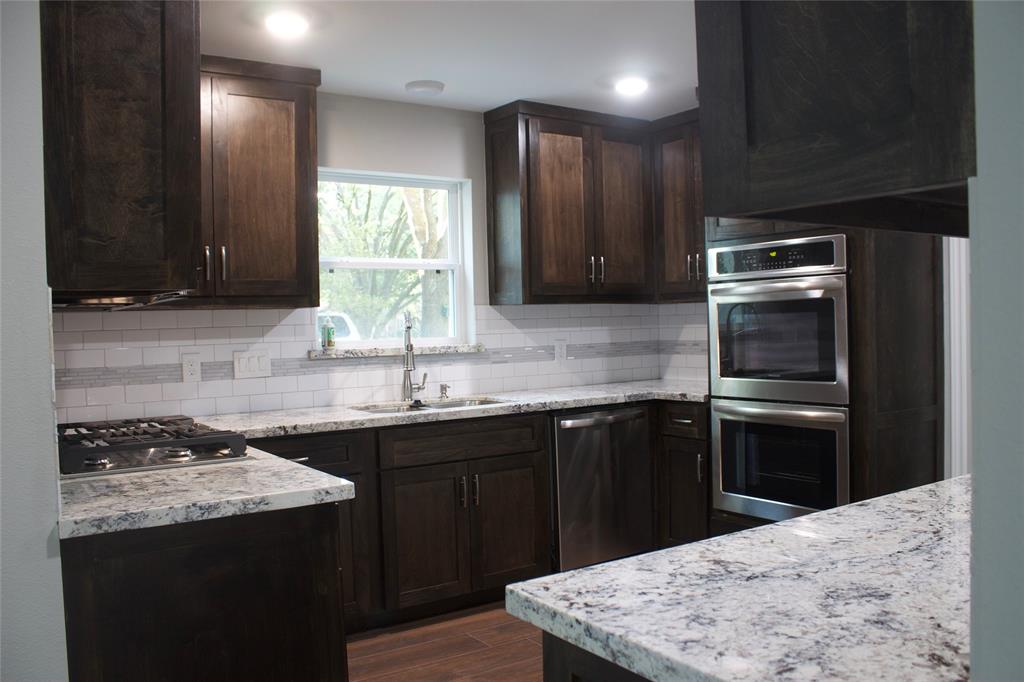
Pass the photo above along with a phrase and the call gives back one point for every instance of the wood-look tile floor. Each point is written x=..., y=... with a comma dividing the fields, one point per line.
x=479, y=644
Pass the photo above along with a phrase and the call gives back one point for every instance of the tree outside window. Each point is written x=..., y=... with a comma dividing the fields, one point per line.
x=388, y=246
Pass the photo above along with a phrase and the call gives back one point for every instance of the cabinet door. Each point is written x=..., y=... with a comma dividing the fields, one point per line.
x=426, y=534
x=509, y=519
x=679, y=210
x=684, y=486
x=562, y=260
x=719, y=229
x=264, y=187
x=622, y=219
x=348, y=455
x=121, y=151
x=811, y=103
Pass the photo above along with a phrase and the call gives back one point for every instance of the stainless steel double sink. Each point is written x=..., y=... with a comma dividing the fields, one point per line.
x=398, y=408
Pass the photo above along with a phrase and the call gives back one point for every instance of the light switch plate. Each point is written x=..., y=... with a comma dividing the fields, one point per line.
x=191, y=368
x=250, y=364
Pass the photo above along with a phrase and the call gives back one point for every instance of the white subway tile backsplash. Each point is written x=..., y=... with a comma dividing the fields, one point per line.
x=58, y=359
x=87, y=414
x=57, y=322
x=104, y=395
x=122, y=357
x=262, y=317
x=216, y=389
x=300, y=316
x=138, y=338
x=162, y=408
x=67, y=340
x=80, y=359
x=228, y=318
x=76, y=322
x=142, y=393
x=233, y=404
x=70, y=397
x=195, y=318
x=248, y=386
x=199, y=408
x=311, y=382
x=296, y=400
x=106, y=339
x=177, y=337
x=180, y=391
x=126, y=411
x=281, y=384
x=160, y=355
x=158, y=319
x=124, y=319
x=262, y=403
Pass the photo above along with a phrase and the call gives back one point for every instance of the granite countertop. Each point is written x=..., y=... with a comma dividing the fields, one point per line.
x=344, y=418
x=869, y=591
x=260, y=482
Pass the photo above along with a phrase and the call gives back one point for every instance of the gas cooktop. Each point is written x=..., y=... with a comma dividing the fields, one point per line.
x=117, y=446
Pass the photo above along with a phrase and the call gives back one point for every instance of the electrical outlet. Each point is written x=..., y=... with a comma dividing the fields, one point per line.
x=191, y=368
x=250, y=364
x=560, y=349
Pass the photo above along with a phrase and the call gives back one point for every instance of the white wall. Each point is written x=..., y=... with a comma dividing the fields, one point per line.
x=355, y=133
x=31, y=613
x=997, y=345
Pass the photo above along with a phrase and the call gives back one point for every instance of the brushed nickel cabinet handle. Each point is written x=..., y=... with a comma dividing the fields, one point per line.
x=223, y=263
x=208, y=253
x=462, y=491
x=602, y=269
x=476, y=490
x=689, y=267
x=593, y=270
x=698, y=266
x=679, y=420
x=299, y=460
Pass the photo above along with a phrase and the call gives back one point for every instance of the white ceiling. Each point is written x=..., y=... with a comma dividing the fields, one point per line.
x=486, y=52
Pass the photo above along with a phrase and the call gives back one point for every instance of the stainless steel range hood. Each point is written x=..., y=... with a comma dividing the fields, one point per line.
x=115, y=300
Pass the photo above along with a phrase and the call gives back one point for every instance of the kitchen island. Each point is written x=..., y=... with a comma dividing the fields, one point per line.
x=873, y=590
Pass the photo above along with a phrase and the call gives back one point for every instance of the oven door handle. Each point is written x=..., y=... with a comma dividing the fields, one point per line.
x=816, y=284
x=766, y=413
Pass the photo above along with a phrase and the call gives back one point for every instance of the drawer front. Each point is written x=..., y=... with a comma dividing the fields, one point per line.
x=461, y=440
x=343, y=451
x=685, y=420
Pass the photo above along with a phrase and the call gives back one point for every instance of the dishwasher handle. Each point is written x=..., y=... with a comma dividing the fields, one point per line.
x=601, y=418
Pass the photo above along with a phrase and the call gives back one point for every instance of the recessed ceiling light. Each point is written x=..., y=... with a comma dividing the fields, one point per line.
x=631, y=86
x=286, y=24
x=425, y=87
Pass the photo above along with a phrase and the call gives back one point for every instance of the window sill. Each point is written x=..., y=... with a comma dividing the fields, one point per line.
x=393, y=351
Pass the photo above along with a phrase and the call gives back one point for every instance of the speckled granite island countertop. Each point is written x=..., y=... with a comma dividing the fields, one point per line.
x=874, y=590
x=344, y=418
x=126, y=501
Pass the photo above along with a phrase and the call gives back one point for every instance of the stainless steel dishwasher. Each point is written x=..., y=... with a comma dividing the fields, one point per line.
x=603, y=485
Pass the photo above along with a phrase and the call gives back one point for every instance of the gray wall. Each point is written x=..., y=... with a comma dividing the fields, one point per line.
x=997, y=327
x=359, y=134
x=32, y=626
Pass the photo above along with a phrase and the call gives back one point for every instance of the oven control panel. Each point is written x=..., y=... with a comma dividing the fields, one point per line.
x=803, y=255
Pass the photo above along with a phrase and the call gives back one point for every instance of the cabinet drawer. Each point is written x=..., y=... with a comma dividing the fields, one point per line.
x=342, y=451
x=685, y=420
x=461, y=440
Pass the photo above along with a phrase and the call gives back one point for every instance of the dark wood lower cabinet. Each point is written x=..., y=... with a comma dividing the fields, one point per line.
x=683, y=491
x=565, y=662
x=253, y=597
x=350, y=455
x=426, y=534
x=723, y=523
x=452, y=529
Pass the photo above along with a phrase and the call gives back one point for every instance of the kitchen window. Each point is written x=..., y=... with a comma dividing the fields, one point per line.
x=391, y=245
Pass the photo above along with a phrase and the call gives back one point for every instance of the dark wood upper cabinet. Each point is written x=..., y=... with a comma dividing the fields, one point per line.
x=568, y=207
x=848, y=113
x=121, y=145
x=259, y=182
x=622, y=211
x=678, y=210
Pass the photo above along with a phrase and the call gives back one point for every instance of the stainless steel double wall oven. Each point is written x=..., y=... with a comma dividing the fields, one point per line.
x=779, y=376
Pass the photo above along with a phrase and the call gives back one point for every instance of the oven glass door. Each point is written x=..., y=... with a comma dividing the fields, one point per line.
x=781, y=339
x=777, y=461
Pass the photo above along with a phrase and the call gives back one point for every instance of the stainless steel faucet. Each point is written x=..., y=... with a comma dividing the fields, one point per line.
x=408, y=388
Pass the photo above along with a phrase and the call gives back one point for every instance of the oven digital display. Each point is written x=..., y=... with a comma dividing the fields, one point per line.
x=779, y=257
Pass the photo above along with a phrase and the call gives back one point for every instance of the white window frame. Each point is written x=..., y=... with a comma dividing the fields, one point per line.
x=459, y=231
